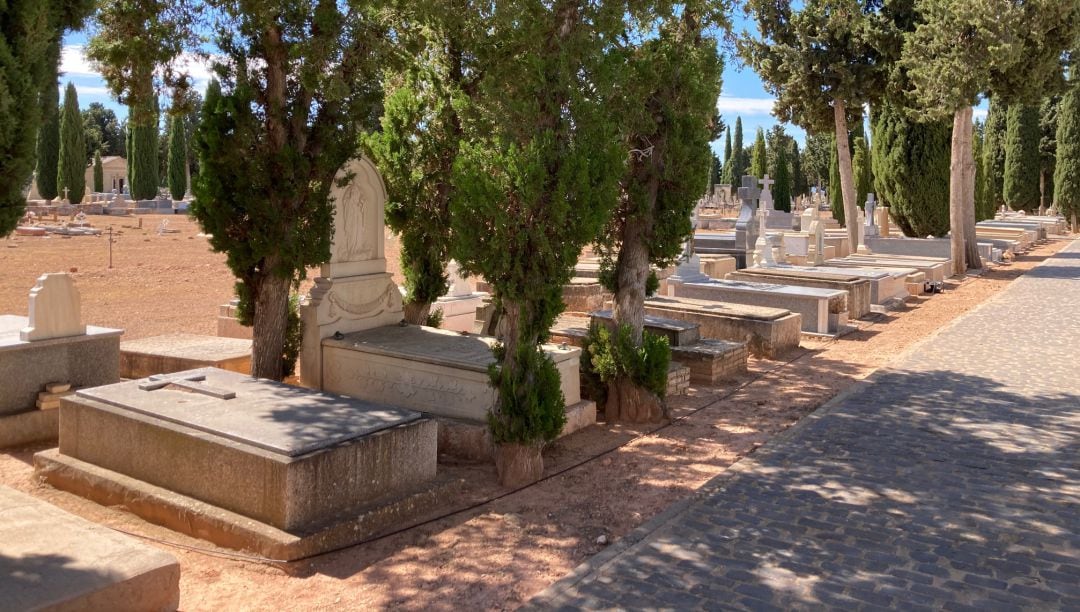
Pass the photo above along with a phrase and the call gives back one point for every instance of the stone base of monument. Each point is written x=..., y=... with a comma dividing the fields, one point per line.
x=584, y=294
x=86, y=360
x=441, y=373
x=178, y=352
x=767, y=332
x=717, y=266
x=459, y=312
x=246, y=463
x=58, y=561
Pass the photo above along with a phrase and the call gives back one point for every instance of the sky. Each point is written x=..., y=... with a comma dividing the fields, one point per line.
x=742, y=94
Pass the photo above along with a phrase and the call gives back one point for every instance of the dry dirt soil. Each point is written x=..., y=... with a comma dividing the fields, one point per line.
x=495, y=548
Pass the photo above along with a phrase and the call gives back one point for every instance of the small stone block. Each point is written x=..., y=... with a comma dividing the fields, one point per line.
x=57, y=387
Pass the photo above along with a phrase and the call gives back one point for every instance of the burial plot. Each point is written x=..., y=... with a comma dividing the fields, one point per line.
x=353, y=343
x=52, y=560
x=178, y=352
x=767, y=332
x=459, y=305
x=243, y=462
x=50, y=346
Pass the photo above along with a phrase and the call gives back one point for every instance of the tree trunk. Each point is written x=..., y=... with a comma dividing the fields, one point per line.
x=628, y=402
x=268, y=331
x=518, y=464
x=956, y=194
x=416, y=313
x=971, y=241
x=1042, y=192
x=847, y=176
x=632, y=272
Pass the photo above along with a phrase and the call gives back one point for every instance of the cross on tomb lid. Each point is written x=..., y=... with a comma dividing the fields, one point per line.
x=188, y=382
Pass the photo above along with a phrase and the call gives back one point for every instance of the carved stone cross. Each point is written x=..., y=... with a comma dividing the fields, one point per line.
x=749, y=191
x=186, y=381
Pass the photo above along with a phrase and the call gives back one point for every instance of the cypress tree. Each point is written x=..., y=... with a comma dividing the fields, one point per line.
x=1022, y=158
x=983, y=209
x=48, y=142
x=1067, y=170
x=143, y=163
x=911, y=171
x=99, y=173
x=726, y=175
x=860, y=165
x=1048, y=118
x=71, y=168
x=177, y=159
x=759, y=164
x=993, y=158
x=799, y=184
x=782, y=173
x=739, y=161
x=836, y=196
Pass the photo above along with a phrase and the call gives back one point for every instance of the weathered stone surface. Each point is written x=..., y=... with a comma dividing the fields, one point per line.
x=815, y=305
x=52, y=560
x=712, y=361
x=228, y=325
x=947, y=482
x=282, y=455
x=678, y=332
x=936, y=269
x=858, y=289
x=179, y=352
x=55, y=311
x=26, y=367
x=768, y=332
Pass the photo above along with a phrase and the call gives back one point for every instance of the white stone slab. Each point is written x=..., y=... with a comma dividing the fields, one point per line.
x=812, y=303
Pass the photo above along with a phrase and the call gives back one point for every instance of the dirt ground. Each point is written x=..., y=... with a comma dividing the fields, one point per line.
x=603, y=481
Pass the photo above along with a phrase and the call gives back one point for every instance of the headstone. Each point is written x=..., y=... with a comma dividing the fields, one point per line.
x=883, y=220
x=689, y=268
x=459, y=285
x=766, y=193
x=746, y=227
x=871, y=228
x=860, y=226
x=54, y=309
x=353, y=291
x=763, y=255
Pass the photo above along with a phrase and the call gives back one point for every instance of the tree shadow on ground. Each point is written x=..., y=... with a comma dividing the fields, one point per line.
x=924, y=488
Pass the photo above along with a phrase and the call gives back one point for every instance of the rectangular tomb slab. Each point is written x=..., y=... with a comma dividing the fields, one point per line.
x=52, y=560
x=289, y=457
x=178, y=352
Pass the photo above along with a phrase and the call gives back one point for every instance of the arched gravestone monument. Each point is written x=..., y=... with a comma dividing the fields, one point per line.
x=353, y=291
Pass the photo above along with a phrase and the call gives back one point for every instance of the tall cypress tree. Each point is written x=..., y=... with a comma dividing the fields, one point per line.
x=860, y=165
x=1022, y=158
x=143, y=163
x=911, y=170
x=71, y=169
x=739, y=161
x=983, y=208
x=1067, y=170
x=177, y=159
x=726, y=174
x=782, y=172
x=993, y=157
x=99, y=173
x=836, y=196
x=759, y=164
x=48, y=142
x=1048, y=118
x=799, y=184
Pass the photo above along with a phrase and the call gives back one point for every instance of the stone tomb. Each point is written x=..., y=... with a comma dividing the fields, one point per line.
x=442, y=373
x=52, y=560
x=353, y=343
x=459, y=305
x=767, y=332
x=858, y=289
x=178, y=352
x=824, y=311
x=245, y=463
x=50, y=346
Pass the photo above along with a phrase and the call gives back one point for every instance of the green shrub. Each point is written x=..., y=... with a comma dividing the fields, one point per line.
x=606, y=356
x=294, y=335
x=531, y=403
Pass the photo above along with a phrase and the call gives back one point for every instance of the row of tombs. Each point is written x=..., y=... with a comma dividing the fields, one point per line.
x=356, y=450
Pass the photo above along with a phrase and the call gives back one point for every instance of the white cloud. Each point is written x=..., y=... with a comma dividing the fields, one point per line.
x=73, y=62
x=980, y=113
x=89, y=90
x=745, y=106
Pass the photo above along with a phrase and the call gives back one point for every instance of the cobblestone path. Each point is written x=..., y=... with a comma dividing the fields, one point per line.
x=949, y=481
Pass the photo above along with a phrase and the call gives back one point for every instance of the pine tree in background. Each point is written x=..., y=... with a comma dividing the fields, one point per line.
x=1022, y=158
x=782, y=174
x=48, y=143
x=143, y=164
x=99, y=173
x=911, y=171
x=993, y=159
x=815, y=159
x=1067, y=170
x=129, y=133
x=836, y=196
x=983, y=209
x=71, y=167
x=1048, y=119
x=759, y=164
x=177, y=159
x=860, y=165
